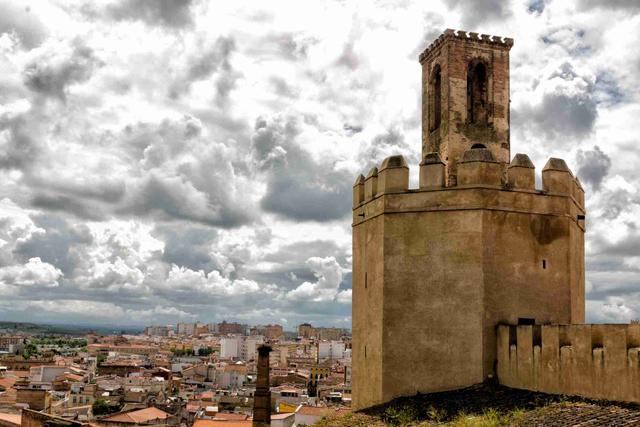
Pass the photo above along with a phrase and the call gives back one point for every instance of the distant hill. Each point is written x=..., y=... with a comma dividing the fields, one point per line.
x=46, y=329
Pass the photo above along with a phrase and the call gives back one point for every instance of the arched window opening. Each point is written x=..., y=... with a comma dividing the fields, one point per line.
x=474, y=146
x=477, y=93
x=436, y=90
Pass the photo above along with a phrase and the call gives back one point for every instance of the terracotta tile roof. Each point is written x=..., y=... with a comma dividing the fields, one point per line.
x=11, y=418
x=282, y=416
x=139, y=416
x=220, y=423
x=8, y=397
x=230, y=416
x=7, y=382
x=193, y=406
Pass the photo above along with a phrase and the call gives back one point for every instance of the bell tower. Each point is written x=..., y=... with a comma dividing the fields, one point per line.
x=465, y=97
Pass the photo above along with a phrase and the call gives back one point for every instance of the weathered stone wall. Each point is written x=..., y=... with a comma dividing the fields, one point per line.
x=31, y=418
x=452, y=53
x=595, y=361
x=437, y=268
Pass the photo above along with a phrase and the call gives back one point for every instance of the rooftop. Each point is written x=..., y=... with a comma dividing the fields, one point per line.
x=137, y=416
x=488, y=404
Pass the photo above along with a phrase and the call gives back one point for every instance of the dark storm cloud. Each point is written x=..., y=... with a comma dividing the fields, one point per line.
x=51, y=73
x=630, y=5
x=187, y=245
x=568, y=109
x=614, y=203
x=480, y=11
x=566, y=114
x=352, y=129
x=21, y=148
x=205, y=62
x=593, y=166
x=202, y=66
x=175, y=197
x=297, y=187
x=389, y=143
x=608, y=89
x=171, y=13
x=19, y=18
x=63, y=203
x=60, y=245
x=573, y=40
x=282, y=88
x=535, y=6
x=629, y=246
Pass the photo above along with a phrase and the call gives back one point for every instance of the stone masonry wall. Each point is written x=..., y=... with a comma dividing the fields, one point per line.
x=594, y=361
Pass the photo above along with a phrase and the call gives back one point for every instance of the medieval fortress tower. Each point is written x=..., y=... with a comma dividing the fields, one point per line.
x=477, y=273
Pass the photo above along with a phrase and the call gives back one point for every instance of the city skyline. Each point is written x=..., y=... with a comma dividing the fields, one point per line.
x=168, y=162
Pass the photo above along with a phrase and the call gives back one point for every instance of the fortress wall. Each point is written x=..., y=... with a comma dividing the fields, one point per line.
x=436, y=268
x=594, y=361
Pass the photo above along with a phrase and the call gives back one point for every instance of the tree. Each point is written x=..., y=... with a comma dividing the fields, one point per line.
x=29, y=350
x=103, y=407
x=205, y=351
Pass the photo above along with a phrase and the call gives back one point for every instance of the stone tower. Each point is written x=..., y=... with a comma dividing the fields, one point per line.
x=262, y=395
x=465, y=96
x=437, y=268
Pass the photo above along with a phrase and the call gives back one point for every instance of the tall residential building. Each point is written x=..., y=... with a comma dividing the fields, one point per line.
x=161, y=331
x=186, y=328
x=273, y=331
x=305, y=330
x=240, y=347
x=331, y=350
x=226, y=328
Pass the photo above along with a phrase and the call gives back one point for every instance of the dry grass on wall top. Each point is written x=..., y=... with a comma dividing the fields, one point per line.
x=490, y=405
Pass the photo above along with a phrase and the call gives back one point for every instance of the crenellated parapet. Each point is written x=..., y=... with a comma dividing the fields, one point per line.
x=478, y=171
x=504, y=42
x=596, y=361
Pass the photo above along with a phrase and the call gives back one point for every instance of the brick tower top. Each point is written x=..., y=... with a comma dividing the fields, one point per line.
x=465, y=97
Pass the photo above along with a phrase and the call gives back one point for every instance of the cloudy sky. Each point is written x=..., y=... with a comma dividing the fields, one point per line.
x=165, y=161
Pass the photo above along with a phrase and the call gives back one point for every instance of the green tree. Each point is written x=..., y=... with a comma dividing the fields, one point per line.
x=205, y=351
x=103, y=407
x=29, y=350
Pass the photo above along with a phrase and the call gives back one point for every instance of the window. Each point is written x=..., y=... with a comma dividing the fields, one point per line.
x=436, y=97
x=477, y=92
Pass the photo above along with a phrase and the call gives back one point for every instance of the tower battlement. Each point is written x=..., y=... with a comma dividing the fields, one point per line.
x=476, y=170
x=449, y=33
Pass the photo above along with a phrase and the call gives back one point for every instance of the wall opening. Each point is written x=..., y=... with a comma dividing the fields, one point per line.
x=477, y=93
x=436, y=98
x=477, y=146
x=544, y=264
x=526, y=321
x=365, y=351
x=365, y=280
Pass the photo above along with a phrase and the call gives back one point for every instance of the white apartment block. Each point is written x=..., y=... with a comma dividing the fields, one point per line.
x=186, y=328
x=331, y=350
x=240, y=347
